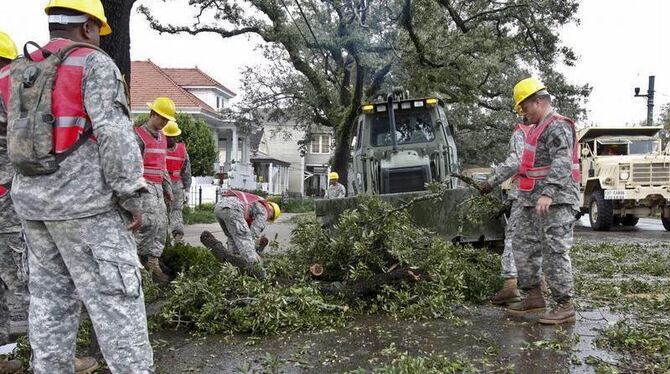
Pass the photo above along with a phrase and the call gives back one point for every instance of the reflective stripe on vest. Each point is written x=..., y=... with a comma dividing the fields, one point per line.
x=528, y=172
x=154, y=155
x=247, y=199
x=174, y=161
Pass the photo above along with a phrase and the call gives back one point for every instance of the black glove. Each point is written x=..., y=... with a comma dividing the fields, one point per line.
x=485, y=188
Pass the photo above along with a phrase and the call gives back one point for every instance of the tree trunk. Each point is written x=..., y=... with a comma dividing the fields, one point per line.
x=117, y=44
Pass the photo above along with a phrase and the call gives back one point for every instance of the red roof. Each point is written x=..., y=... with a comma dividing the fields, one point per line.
x=148, y=81
x=195, y=77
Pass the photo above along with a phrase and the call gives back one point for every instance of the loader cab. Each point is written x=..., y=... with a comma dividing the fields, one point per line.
x=401, y=144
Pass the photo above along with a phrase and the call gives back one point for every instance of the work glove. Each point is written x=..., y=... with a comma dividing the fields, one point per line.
x=133, y=205
x=485, y=187
x=169, y=197
x=261, y=244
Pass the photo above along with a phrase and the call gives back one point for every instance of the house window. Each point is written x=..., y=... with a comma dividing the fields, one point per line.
x=321, y=144
x=219, y=102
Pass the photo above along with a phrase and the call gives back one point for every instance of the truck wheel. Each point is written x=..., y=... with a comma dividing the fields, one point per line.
x=629, y=220
x=666, y=223
x=616, y=220
x=601, y=212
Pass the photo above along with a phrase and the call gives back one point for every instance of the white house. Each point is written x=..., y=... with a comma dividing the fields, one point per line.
x=200, y=95
x=307, y=169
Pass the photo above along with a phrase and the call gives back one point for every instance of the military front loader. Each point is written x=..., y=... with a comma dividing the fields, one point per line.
x=399, y=146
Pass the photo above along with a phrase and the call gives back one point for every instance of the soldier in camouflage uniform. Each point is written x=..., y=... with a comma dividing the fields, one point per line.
x=179, y=169
x=77, y=220
x=152, y=235
x=11, y=242
x=548, y=195
x=335, y=189
x=243, y=217
x=502, y=172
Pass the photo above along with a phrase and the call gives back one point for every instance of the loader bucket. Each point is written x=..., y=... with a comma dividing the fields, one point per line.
x=439, y=216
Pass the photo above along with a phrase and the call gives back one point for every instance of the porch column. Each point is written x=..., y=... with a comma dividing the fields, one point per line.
x=234, y=144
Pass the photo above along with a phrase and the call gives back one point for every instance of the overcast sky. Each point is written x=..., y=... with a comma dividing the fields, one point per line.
x=620, y=43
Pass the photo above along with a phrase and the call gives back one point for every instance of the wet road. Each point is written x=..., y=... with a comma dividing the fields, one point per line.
x=647, y=230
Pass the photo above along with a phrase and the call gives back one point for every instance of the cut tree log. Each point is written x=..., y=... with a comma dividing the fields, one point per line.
x=223, y=254
x=372, y=286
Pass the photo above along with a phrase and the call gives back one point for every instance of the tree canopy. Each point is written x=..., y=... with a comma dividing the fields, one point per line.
x=328, y=57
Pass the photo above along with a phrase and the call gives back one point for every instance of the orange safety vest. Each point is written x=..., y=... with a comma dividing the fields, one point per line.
x=154, y=155
x=247, y=200
x=528, y=172
x=4, y=189
x=174, y=161
x=68, y=103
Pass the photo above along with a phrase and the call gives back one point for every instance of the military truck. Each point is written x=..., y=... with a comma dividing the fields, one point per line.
x=399, y=146
x=625, y=176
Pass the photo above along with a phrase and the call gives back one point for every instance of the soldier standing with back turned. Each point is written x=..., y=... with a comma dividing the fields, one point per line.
x=78, y=206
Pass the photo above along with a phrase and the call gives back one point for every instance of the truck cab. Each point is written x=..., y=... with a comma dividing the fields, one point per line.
x=625, y=176
x=401, y=144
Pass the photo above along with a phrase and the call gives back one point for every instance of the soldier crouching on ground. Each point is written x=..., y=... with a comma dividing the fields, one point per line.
x=243, y=217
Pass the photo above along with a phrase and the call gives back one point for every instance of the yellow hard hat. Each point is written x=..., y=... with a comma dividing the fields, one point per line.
x=277, y=211
x=333, y=175
x=7, y=47
x=525, y=89
x=92, y=8
x=171, y=129
x=163, y=106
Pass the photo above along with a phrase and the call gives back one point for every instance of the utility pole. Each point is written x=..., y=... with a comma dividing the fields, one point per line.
x=650, y=99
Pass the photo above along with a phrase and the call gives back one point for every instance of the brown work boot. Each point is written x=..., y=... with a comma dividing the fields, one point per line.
x=85, y=365
x=563, y=312
x=534, y=302
x=154, y=267
x=508, y=294
x=11, y=367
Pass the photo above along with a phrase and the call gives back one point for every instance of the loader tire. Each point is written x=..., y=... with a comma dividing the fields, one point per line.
x=629, y=220
x=666, y=223
x=601, y=214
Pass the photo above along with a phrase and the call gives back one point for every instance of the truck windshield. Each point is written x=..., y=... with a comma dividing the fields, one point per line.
x=410, y=128
x=627, y=147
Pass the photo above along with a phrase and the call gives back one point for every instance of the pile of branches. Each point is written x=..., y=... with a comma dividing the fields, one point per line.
x=373, y=260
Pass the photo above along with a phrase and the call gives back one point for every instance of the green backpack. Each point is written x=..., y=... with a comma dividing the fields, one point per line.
x=30, y=125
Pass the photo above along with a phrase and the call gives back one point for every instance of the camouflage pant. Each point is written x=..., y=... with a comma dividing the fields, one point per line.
x=12, y=276
x=542, y=244
x=92, y=259
x=508, y=269
x=176, y=219
x=240, y=240
x=153, y=232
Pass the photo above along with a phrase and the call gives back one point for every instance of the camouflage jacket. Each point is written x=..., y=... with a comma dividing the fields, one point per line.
x=256, y=211
x=554, y=148
x=335, y=192
x=9, y=220
x=508, y=168
x=92, y=179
